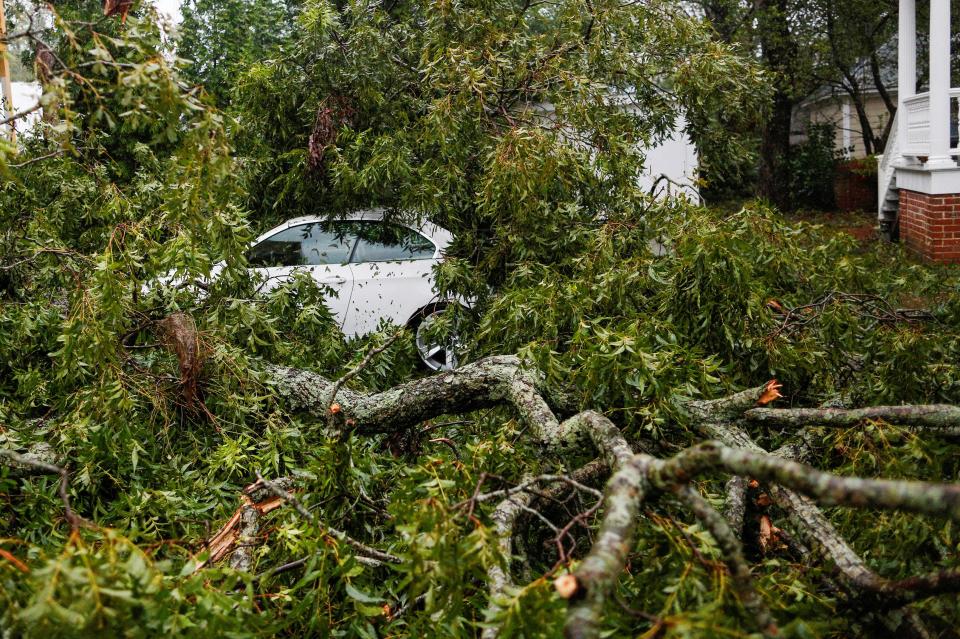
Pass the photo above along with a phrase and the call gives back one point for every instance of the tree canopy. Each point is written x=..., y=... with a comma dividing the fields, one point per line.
x=220, y=38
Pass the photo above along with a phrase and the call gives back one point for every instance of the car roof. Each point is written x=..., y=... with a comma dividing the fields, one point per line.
x=439, y=236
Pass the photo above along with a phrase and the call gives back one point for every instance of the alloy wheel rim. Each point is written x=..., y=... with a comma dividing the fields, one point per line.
x=437, y=357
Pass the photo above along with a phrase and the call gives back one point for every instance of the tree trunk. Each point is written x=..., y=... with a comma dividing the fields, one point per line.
x=777, y=52
x=774, y=176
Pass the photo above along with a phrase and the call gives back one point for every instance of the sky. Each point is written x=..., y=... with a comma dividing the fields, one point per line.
x=170, y=7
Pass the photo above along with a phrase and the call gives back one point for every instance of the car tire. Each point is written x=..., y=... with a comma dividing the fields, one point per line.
x=432, y=357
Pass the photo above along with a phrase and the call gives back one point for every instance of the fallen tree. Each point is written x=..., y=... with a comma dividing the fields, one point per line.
x=158, y=477
x=639, y=477
x=635, y=478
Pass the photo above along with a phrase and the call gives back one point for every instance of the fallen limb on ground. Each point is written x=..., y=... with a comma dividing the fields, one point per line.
x=637, y=479
x=237, y=535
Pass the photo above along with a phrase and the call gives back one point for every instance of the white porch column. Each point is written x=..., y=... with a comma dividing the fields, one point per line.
x=940, y=85
x=906, y=66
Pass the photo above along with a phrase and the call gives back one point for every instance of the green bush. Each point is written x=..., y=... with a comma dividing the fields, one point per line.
x=813, y=168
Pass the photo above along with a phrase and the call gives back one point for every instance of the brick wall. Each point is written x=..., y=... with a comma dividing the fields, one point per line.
x=853, y=190
x=930, y=225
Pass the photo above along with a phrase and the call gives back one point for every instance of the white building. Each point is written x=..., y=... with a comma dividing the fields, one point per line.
x=918, y=177
x=25, y=95
x=671, y=166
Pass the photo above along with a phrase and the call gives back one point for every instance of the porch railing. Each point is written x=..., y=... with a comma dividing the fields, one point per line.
x=916, y=109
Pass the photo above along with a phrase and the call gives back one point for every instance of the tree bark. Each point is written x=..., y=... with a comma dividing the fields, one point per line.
x=777, y=53
x=638, y=478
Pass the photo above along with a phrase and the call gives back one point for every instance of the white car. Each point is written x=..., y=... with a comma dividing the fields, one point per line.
x=378, y=270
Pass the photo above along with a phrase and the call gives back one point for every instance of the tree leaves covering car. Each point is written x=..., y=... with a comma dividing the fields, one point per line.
x=372, y=271
x=91, y=376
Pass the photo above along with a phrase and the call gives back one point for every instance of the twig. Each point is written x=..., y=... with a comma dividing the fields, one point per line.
x=21, y=114
x=447, y=442
x=872, y=307
x=563, y=556
x=353, y=372
x=39, y=158
x=296, y=563
x=525, y=486
x=456, y=422
x=75, y=520
x=372, y=553
x=43, y=251
x=25, y=460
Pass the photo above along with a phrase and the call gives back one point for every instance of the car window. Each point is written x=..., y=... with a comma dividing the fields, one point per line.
x=303, y=245
x=380, y=242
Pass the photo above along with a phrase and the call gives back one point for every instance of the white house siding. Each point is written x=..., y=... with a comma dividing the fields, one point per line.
x=26, y=95
x=671, y=167
x=830, y=110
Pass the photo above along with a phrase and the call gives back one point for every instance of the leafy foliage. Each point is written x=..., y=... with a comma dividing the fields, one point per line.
x=491, y=118
x=813, y=168
x=628, y=304
x=220, y=38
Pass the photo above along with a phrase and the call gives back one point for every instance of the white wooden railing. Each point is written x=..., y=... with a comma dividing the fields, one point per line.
x=886, y=169
x=917, y=111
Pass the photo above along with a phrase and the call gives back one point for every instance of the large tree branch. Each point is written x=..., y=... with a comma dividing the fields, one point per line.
x=488, y=382
x=934, y=416
x=504, y=518
x=598, y=573
x=860, y=583
x=912, y=496
x=732, y=552
x=492, y=381
x=502, y=380
x=736, y=505
x=639, y=479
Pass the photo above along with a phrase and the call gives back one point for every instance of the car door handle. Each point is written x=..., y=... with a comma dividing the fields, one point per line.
x=324, y=276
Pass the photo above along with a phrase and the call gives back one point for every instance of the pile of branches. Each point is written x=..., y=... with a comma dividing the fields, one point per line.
x=637, y=478
x=871, y=308
x=634, y=479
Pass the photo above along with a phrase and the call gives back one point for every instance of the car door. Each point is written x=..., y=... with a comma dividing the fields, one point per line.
x=319, y=248
x=392, y=274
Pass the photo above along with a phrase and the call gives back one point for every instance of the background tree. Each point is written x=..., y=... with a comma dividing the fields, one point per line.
x=862, y=49
x=807, y=47
x=17, y=13
x=785, y=37
x=221, y=38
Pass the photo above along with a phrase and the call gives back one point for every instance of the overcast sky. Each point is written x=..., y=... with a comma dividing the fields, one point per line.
x=169, y=7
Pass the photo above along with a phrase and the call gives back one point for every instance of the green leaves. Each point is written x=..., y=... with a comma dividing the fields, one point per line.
x=360, y=596
x=497, y=120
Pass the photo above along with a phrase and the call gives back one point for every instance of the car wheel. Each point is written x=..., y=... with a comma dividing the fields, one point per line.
x=433, y=356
